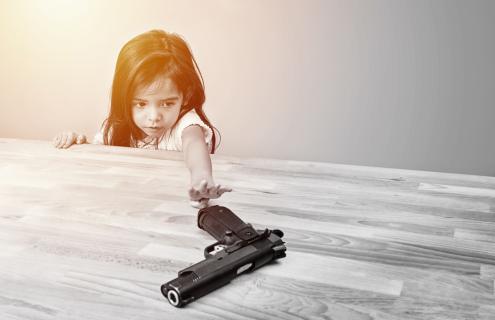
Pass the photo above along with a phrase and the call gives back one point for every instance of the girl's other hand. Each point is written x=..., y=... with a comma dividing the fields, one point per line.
x=66, y=139
x=200, y=193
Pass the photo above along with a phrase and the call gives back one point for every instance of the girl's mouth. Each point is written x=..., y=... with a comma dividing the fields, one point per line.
x=153, y=131
x=154, y=128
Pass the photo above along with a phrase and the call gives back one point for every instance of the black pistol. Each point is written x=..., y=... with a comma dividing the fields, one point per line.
x=239, y=248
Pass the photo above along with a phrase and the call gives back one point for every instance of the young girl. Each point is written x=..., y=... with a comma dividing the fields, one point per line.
x=157, y=103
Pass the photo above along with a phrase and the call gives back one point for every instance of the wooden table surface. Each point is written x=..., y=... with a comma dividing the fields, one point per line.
x=92, y=232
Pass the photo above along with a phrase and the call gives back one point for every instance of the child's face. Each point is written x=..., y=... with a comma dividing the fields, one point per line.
x=155, y=107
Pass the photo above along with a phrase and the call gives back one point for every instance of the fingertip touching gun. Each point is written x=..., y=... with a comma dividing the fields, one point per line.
x=239, y=248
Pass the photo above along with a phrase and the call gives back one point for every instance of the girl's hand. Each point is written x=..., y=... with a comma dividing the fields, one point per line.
x=66, y=139
x=203, y=191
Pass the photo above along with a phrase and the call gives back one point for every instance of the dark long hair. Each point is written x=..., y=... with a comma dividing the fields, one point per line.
x=141, y=60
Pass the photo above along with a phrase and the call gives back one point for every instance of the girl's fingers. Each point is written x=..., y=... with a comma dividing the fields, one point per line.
x=81, y=138
x=60, y=140
x=200, y=204
x=203, y=186
x=202, y=192
x=217, y=191
x=66, y=139
x=56, y=140
x=204, y=202
x=205, y=192
x=70, y=140
x=213, y=191
x=194, y=194
x=63, y=140
x=195, y=203
x=222, y=190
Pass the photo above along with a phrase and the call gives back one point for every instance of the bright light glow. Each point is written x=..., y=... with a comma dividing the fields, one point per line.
x=60, y=10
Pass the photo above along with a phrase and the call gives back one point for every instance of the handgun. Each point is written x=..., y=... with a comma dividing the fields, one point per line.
x=239, y=249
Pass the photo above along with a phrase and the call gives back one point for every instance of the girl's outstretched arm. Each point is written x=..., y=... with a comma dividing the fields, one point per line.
x=197, y=158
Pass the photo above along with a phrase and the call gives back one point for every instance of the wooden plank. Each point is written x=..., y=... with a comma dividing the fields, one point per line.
x=473, y=234
x=487, y=272
x=458, y=190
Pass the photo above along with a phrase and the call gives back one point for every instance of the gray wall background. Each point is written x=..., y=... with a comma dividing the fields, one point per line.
x=392, y=83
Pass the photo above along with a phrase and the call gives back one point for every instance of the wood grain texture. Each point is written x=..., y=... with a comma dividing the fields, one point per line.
x=92, y=232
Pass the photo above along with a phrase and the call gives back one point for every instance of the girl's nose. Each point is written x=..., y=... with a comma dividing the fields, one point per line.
x=154, y=114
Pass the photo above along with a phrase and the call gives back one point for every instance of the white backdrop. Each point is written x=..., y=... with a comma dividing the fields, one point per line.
x=404, y=84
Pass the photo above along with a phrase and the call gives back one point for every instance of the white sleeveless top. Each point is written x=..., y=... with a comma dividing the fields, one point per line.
x=172, y=139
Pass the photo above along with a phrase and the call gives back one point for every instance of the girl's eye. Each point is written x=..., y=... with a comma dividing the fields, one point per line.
x=168, y=104
x=140, y=104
